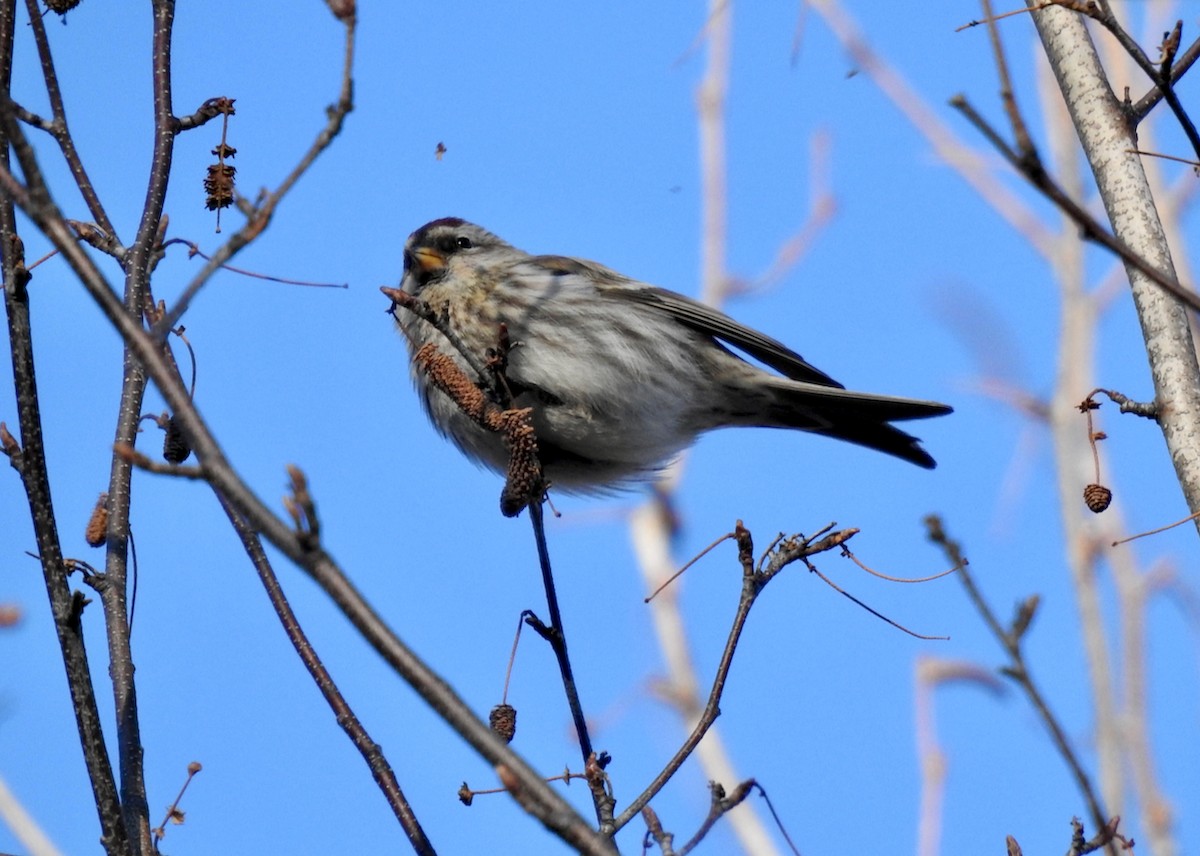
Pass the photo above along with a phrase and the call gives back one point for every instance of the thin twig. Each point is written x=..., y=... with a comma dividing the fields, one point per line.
x=871, y=609
x=1187, y=519
x=265, y=208
x=1149, y=101
x=696, y=558
x=719, y=804
x=29, y=117
x=438, y=320
x=754, y=579
x=145, y=462
x=1017, y=670
x=1192, y=162
x=58, y=126
x=1162, y=78
x=891, y=579
x=205, y=113
x=655, y=832
x=512, y=655
x=173, y=812
x=194, y=250
x=752, y=583
x=1008, y=97
x=377, y=762
x=990, y=18
x=1146, y=409
x=1090, y=228
x=556, y=634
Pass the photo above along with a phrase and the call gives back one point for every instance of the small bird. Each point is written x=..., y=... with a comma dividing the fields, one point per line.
x=621, y=376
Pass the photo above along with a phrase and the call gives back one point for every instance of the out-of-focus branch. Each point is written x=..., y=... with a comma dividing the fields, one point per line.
x=710, y=105
x=23, y=826
x=931, y=673
x=946, y=144
x=1158, y=816
x=703, y=718
x=652, y=525
x=1010, y=639
x=821, y=211
x=1075, y=369
x=1029, y=165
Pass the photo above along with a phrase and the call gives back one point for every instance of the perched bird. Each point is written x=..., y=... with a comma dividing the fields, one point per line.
x=621, y=375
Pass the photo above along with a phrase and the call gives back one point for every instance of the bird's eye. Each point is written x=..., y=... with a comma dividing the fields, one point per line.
x=463, y=242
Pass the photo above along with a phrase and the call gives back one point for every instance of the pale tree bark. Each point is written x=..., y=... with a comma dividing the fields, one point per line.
x=1110, y=144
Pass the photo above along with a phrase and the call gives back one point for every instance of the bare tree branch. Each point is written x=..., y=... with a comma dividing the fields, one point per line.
x=58, y=126
x=1010, y=638
x=1107, y=141
x=29, y=460
x=346, y=718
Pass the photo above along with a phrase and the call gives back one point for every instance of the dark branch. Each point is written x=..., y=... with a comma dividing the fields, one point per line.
x=1010, y=640
x=1029, y=165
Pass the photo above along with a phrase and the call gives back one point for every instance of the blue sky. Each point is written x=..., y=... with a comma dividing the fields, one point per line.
x=573, y=130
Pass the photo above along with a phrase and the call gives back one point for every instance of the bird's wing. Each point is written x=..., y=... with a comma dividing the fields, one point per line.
x=691, y=313
x=712, y=322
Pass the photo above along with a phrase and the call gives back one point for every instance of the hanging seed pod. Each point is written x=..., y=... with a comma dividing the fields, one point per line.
x=96, y=532
x=503, y=720
x=218, y=186
x=175, y=446
x=61, y=7
x=1097, y=497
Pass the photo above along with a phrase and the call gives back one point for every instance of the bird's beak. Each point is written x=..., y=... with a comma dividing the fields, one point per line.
x=427, y=261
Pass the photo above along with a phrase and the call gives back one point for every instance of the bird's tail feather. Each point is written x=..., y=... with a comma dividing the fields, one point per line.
x=855, y=417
